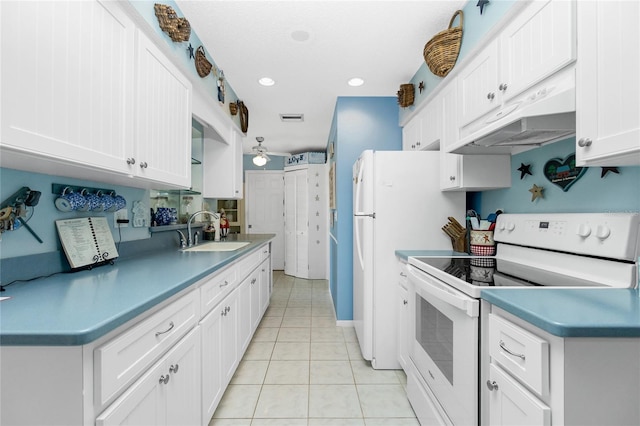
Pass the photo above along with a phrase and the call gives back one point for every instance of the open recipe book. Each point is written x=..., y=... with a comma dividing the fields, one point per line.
x=86, y=241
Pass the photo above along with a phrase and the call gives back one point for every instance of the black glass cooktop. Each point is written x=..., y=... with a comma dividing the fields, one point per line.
x=495, y=272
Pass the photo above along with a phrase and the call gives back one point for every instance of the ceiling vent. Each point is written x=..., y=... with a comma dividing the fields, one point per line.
x=292, y=118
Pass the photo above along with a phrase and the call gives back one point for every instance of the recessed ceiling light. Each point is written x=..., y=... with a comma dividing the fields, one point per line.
x=355, y=82
x=266, y=81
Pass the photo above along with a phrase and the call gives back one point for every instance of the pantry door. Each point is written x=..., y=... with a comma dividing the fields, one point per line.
x=264, y=204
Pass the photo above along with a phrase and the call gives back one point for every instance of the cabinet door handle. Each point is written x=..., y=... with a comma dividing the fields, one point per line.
x=404, y=302
x=174, y=368
x=504, y=348
x=143, y=165
x=402, y=274
x=131, y=161
x=452, y=178
x=164, y=379
x=167, y=330
x=226, y=283
x=253, y=281
x=503, y=87
x=491, y=95
x=492, y=385
x=584, y=142
x=227, y=309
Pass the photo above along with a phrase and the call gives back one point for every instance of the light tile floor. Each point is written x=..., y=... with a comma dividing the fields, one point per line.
x=302, y=369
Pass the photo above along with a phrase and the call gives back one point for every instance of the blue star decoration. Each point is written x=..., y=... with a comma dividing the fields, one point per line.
x=421, y=86
x=481, y=4
x=190, y=51
x=606, y=170
x=524, y=169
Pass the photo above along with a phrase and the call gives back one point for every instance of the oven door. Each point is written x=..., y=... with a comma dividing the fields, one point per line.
x=445, y=345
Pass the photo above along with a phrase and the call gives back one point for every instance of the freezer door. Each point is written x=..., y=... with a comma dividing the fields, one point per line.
x=363, y=283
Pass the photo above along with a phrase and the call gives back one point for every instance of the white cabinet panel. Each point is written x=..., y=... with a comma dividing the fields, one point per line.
x=67, y=83
x=163, y=118
x=222, y=165
x=212, y=380
x=608, y=86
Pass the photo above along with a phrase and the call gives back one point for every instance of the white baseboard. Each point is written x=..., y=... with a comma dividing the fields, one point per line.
x=348, y=323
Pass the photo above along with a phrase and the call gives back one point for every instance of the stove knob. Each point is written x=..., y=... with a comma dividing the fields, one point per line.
x=602, y=232
x=583, y=230
x=511, y=226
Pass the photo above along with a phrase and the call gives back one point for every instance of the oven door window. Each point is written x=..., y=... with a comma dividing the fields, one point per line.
x=434, y=333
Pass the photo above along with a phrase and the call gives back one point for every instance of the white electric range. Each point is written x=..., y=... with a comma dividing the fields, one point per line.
x=594, y=250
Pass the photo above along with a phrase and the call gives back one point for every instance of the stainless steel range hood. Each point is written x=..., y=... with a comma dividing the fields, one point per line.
x=543, y=115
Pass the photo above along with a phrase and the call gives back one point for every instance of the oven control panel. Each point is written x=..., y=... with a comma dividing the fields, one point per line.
x=612, y=235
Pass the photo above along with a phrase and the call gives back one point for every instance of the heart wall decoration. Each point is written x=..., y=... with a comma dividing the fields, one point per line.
x=563, y=173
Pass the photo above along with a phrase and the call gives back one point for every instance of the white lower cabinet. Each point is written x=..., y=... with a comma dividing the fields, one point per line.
x=536, y=378
x=167, y=394
x=404, y=317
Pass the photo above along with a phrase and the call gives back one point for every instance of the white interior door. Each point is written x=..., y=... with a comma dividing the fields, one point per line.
x=264, y=204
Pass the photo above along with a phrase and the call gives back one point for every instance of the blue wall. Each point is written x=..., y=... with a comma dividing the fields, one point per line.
x=359, y=123
x=615, y=192
x=20, y=242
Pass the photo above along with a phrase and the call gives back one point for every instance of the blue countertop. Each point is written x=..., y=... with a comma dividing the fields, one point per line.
x=573, y=312
x=78, y=308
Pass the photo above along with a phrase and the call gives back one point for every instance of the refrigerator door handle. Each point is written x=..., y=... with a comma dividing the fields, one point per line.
x=373, y=215
x=356, y=227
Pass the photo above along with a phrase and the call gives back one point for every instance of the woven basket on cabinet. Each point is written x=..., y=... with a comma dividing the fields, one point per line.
x=203, y=66
x=406, y=95
x=179, y=29
x=441, y=52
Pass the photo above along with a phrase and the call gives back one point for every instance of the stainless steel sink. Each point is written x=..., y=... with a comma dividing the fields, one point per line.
x=219, y=246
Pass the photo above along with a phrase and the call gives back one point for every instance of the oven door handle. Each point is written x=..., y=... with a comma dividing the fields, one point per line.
x=443, y=292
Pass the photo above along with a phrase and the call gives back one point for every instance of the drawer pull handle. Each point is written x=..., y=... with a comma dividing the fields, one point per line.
x=174, y=368
x=492, y=385
x=164, y=379
x=253, y=281
x=504, y=348
x=166, y=331
x=226, y=283
x=402, y=274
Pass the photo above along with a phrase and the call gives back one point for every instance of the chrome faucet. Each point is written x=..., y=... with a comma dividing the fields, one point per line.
x=189, y=235
x=183, y=241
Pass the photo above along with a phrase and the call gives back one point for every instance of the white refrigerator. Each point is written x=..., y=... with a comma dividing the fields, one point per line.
x=397, y=205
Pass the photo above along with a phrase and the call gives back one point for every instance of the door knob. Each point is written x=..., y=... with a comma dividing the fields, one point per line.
x=583, y=142
x=492, y=385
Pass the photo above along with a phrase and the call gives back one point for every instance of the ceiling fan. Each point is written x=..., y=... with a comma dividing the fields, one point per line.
x=261, y=152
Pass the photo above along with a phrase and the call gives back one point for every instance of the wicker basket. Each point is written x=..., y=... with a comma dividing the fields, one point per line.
x=178, y=29
x=203, y=66
x=441, y=52
x=244, y=116
x=406, y=95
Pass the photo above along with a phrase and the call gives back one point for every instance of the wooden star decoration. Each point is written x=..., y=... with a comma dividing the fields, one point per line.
x=481, y=4
x=421, y=86
x=536, y=192
x=606, y=170
x=524, y=169
x=190, y=51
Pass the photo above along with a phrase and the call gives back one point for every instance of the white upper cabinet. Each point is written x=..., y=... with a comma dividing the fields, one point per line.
x=84, y=95
x=608, y=84
x=422, y=133
x=537, y=43
x=67, y=84
x=222, y=165
x=162, y=149
x=478, y=85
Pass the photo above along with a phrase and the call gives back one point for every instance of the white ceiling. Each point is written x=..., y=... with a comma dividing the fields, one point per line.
x=379, y=41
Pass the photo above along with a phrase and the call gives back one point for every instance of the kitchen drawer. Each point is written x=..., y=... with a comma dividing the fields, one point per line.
x=247, y=264
x=214, y=290
x=521, y=353
x=123, y=359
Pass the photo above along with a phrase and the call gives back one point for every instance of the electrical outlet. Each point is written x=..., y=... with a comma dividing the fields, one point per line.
x=121, y=215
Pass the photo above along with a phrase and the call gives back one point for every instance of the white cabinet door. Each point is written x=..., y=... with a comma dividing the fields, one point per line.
x=536, y=44
x=478, y=85
x=245, y=306
x=256, y=288
x=222, y=164
x=168, y=393
x=183, y=390
x=411, y=134
x=163, y=118
x=607, y=84
x=230, y=341
x=511, y=404
x=432, y=125
x=67, y=85
x=265, y=285
x=404, y=316
x=212, y=380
